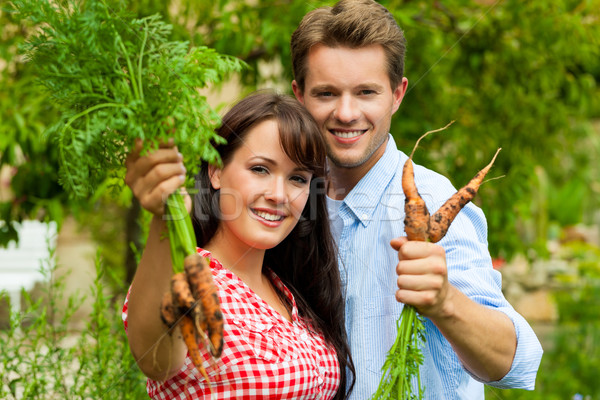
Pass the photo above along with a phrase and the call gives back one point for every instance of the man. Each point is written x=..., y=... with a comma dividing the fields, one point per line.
x=348, y=66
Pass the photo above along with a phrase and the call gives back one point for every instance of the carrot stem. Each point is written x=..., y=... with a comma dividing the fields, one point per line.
x=427, y=133
x=181, y=231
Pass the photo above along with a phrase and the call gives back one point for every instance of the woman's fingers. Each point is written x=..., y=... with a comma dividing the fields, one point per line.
x=154, y=200
x=154, y=176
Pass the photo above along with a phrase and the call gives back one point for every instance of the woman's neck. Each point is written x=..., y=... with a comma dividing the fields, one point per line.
x=247, y=264
x=244, y=261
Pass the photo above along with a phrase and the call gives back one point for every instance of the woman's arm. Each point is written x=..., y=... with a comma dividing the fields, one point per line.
x=152, y=178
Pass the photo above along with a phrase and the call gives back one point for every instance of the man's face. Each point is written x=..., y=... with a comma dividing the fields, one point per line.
x=348, y=93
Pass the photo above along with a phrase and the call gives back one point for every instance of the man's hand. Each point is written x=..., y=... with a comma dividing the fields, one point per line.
x=484, y=339
x=154, y=176
x=422, y=276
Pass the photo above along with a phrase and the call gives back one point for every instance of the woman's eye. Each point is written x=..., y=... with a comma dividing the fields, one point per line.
x=259, y=169
x=299, y=179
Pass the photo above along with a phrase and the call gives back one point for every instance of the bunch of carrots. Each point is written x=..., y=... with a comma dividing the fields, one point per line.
x=404, y=357
x=118, y=80
x=193, y=302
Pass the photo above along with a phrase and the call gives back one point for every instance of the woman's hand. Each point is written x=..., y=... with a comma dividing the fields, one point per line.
x=154, y=176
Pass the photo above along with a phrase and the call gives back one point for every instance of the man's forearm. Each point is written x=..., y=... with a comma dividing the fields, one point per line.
x=484, y=339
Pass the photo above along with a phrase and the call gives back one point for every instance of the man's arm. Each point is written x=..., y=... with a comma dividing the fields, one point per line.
x=484, y=339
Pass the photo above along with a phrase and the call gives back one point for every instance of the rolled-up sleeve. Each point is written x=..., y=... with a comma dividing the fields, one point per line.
x=527, y=358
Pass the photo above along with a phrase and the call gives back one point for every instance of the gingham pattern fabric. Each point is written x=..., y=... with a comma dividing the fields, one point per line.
x=264, y=355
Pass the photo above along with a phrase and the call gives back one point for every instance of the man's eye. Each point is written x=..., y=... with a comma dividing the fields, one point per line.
x=366, y=92
x=324, y=94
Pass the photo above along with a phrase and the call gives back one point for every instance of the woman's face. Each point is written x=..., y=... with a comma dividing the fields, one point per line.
x=263, y=192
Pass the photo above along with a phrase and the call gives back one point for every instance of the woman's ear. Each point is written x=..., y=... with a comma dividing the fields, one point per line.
x=214, y=173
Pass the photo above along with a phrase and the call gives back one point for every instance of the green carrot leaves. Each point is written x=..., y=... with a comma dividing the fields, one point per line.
x=118, y=79
x=403, y=360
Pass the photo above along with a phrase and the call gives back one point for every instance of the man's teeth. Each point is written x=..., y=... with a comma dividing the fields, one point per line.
x=269, y=216
x=347, y=135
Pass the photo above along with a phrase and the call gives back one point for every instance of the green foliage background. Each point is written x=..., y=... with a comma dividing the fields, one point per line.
x=518, y=75
x=521, y=76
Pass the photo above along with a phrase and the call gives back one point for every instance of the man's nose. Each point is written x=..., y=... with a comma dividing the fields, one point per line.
x=347, y=109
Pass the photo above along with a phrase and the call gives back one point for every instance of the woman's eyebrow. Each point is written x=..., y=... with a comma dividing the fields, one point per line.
x=267, y=160
x=263, y=159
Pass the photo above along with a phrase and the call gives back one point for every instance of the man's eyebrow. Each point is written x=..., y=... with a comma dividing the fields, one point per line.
x=321, y=88
x=328, y=88
x=370, y=85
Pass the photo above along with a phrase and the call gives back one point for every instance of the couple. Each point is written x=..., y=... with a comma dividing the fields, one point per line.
x=292, y=316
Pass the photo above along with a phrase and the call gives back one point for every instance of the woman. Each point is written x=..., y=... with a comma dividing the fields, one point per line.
x=262, y=220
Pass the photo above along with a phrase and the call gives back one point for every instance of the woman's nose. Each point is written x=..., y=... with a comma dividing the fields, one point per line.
x=276, y=191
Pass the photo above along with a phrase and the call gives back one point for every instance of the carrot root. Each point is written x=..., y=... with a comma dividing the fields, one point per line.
x=416, y=215
x=180, y=305
x=188, y=332
x=204, y=289
x=168, y=313
x=441, y=220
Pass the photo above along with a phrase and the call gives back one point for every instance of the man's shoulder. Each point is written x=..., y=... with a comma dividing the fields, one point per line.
x=425, y=178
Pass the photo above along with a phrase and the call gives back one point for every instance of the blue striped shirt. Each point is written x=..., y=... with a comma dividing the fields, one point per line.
x=368, y=218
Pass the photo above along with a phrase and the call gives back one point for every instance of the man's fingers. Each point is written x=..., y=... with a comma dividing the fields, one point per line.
x=396, y=243
x=420, y=282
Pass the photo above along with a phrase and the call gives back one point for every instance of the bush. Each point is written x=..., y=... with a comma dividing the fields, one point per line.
x=41, y=359
x=569, y=369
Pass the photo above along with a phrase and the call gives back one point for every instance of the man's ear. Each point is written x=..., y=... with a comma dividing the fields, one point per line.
x=297, y=92
x=398, y=94
x=214, y=173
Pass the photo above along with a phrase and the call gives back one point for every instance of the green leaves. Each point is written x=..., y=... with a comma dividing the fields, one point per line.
x=521, y=76
x=402, y=363
x=117, y=79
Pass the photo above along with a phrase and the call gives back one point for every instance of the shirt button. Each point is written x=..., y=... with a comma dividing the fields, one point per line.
x=365, y=216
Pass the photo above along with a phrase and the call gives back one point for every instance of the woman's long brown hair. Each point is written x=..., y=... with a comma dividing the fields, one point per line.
x=306, y=260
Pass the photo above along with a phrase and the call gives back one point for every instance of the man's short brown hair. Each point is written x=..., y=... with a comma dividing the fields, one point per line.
x=353, y=24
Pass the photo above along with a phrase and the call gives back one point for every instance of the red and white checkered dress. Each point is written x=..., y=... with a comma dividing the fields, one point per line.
x=264, y=355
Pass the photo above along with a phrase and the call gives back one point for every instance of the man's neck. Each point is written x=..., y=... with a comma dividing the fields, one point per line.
x=341, y=180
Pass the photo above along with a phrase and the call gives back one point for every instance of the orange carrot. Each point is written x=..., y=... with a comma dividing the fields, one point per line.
x=416, y=215
x=204, y=289
x=419, y=226
x=168, y=312
x=188, y=332
x=182, y=294
x=191, y=319
x=441, y=220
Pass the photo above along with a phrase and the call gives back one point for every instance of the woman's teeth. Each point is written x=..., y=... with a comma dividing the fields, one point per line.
x=269, y=216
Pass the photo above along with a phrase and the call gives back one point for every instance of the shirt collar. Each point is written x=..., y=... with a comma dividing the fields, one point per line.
x=366, y=195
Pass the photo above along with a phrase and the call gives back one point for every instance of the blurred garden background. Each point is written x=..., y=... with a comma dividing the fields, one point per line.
x=523, y=76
